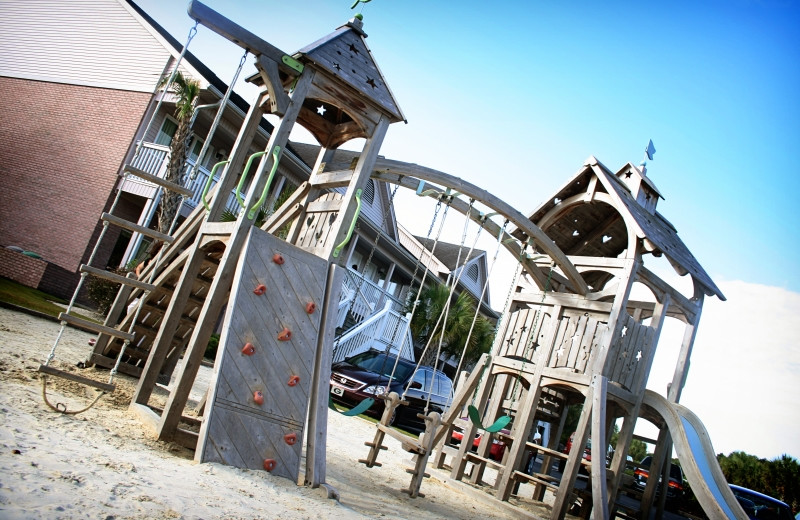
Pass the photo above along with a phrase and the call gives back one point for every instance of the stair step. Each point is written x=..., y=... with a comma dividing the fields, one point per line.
x=111, y=219
x=108, y=275
x=105, y=387
x=337, y=179
x=171, y=186
x=324, y=206
x=95, y=326
x=107, y=362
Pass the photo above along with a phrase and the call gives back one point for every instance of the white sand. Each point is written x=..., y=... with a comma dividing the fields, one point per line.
x=104, y=464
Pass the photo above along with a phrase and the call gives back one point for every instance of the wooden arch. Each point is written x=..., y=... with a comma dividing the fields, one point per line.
x=414, y=177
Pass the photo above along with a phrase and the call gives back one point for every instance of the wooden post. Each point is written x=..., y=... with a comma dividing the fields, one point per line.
x=317, y=424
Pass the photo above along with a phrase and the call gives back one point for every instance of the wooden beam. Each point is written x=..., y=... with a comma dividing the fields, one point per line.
x=240, y=36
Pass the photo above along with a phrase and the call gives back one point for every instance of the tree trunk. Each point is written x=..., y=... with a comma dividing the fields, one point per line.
x=179, y=153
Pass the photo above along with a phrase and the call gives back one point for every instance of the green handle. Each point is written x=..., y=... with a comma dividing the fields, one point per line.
x=276, y=155
x=239, y=186
x=339, y=248
x=209, y=181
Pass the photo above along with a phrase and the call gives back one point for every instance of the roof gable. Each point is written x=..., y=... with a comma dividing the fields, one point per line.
x=655, y=228
x=344, y=54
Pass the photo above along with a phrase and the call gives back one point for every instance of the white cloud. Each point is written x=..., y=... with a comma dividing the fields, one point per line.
x=744, y=377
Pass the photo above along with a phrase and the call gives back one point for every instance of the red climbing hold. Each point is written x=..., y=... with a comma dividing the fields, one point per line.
x=269, y=464
x=260, y=289
x=285, y=335
x=278, y=258
x=293, y=380
x=258, y=397
x=290, y=438
x=249, y=349
x=311, y=307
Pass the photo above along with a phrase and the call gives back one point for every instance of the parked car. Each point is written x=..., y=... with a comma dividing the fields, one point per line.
x=587, y=451
x=761, y=506
x=497, y=449
x=367, y=374
x=675, y=490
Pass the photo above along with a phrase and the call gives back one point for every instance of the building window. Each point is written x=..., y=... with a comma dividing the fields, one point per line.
x=472, y=272
x=168, y=129
x=369, y=192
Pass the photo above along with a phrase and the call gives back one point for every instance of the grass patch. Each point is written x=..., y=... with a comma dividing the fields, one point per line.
x=34, y=299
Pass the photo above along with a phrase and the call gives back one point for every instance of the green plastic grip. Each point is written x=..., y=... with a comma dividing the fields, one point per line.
x=276, y=155
x=209, y=181
x=338, y=249
x=239, y=186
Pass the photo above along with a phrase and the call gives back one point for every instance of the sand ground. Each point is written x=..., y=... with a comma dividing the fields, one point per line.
x=105, y=464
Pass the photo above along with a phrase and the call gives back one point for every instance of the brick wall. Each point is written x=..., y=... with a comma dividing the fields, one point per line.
x=21, y=268
x=61, y=148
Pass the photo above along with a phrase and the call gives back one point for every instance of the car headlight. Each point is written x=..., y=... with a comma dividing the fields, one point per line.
x=375, y=390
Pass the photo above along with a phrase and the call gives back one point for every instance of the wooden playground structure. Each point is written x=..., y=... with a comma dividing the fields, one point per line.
x=571, y=333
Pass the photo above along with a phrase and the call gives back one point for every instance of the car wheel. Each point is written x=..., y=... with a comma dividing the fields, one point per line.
x=393, y=418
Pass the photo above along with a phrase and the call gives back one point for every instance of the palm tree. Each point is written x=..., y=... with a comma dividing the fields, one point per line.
x=187, y=90
x=426, y=326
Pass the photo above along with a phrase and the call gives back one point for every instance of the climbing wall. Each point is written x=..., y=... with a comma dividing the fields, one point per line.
x=260, y=391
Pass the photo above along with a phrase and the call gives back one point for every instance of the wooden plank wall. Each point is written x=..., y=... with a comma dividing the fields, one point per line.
x=522, y=323
x=577, y=336
x=238, y=431
x=632, y=346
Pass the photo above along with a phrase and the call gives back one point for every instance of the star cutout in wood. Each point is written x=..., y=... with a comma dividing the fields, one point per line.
x=353, y=49
x=321, y=110
x=337, y=67
x=639, y=356
x=560, y=352
x=371, y=83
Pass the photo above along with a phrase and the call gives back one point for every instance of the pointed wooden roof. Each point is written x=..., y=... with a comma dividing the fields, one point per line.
x=345, y=55
x=601, y=230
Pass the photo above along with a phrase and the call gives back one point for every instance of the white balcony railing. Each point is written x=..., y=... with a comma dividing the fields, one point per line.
x=153, y=159
x=386, y=330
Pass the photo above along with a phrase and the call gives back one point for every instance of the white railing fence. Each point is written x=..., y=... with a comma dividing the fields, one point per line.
x=385, y=330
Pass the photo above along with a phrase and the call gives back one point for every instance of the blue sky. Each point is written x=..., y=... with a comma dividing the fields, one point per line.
x=514, y=96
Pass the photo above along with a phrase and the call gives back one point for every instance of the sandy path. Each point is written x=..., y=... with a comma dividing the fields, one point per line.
x=104, y=464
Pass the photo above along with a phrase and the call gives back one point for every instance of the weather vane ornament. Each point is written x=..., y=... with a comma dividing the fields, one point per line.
x=649, y=152
x=359, y=2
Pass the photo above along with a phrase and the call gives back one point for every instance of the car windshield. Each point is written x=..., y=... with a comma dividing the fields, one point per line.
x=381, y=364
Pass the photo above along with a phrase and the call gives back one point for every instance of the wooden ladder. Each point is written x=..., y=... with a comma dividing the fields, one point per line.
x=128, y=283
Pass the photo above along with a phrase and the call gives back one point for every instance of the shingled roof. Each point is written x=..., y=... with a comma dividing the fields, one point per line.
x=601, y=230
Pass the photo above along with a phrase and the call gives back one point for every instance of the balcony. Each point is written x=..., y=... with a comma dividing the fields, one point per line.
x=153, y=159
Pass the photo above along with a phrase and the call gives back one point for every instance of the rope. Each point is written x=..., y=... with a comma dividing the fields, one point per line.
x=455, y=281
x=61, y=407
x=424, y=275
x=217, y=118
x=483, y=293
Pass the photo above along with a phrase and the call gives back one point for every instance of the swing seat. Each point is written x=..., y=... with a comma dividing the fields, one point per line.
x=105, y=387
x=495, y=427
x=360, y=408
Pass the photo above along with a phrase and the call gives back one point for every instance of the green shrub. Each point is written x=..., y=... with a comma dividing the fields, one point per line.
x=211, y=348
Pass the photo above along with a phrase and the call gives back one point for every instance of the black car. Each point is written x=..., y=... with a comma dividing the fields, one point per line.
x=367, y=374
x=760, y=506
x=675, y=491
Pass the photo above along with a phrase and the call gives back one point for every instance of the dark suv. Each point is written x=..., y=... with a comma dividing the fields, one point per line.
x=674, y=487
x=366, y=375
